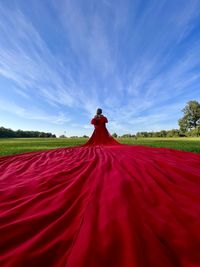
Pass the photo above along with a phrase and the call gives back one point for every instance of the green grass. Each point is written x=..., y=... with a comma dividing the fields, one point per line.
x=191, y=144
x=11, y=146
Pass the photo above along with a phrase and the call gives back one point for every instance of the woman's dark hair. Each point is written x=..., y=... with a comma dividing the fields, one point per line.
x=99, y=111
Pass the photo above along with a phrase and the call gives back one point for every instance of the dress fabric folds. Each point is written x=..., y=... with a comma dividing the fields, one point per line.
x=100, y=136
x=102, y=204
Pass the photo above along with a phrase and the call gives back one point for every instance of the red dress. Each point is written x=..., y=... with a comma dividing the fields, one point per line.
x=100, y=205
x=100, y=135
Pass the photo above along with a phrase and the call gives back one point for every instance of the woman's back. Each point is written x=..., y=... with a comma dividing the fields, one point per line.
x=101, y=136
x=99, y=120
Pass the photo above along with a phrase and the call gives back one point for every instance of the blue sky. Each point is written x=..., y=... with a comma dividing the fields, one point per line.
x=62, y=59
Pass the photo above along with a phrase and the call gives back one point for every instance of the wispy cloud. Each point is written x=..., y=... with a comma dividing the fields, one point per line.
x=33, y=114
x=138, y=60
x=27, y=60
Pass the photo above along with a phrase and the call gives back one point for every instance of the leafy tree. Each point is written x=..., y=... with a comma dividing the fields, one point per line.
x=163, y=133
x=183, y=124
x=191, y=117
x=114, y=135
x=173, y=133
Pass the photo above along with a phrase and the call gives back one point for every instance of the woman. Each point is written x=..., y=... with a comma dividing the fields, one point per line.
x=100, y=134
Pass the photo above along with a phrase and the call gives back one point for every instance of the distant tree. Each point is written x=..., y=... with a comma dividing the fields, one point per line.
x=114, y=135
x=141, y=134
x=7, y=133
x=150, y=134
x=173, y=133
x=42, y=134
x=138, y=134
x=126, y=135
x=62, y=136
x=183, y=124
x=85, y=136
x=163, y=133
x=191, y=117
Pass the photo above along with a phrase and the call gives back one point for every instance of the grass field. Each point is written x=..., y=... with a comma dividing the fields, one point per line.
x=10, y=146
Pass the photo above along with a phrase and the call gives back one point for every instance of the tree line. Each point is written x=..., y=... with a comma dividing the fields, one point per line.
x=189, y=124
x=8, y=133
x=162, y=133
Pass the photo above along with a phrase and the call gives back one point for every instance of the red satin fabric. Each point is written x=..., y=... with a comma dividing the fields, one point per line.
x=100, y=206
x=100, y=136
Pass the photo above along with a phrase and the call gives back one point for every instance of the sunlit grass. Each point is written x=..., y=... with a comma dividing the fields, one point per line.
x=191, y=144
x=11, y=146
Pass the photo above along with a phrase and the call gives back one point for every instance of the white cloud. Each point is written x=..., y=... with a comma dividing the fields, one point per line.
x=33, y=113
x=129, y=61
